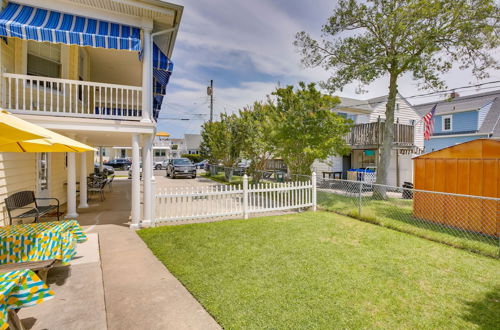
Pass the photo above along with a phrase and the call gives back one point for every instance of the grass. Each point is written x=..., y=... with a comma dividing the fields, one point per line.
x=397, y=214
x=220, y=177
x=323, y=270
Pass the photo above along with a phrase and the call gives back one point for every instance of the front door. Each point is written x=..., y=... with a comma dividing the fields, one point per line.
x=43, y=170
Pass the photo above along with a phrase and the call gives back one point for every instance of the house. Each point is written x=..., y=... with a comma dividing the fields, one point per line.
x=463, y=119
x=366, y=137
x=193, y=142
x=95, y=71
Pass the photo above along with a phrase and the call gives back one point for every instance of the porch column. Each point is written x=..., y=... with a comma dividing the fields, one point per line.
x=147, y=77
x=71, y=193
x=136, y=184
x=100, y=160
x=147, y=176
x=83, y=179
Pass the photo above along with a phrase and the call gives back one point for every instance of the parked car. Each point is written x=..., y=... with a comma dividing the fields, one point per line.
x=160, y=165
x=241, y=167
x=201, y=165
x=120, y=163
x=180, y=167
x=130, y=171
x=108, y=170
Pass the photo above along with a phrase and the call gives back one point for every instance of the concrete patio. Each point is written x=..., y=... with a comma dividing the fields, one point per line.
x=115, y=282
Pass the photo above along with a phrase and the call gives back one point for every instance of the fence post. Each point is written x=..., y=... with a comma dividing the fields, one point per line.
x=359, y=197
x=313, y=183
x=245, y=196
x=153, y=203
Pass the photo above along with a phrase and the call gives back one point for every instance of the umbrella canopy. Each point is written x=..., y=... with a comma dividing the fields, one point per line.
x=162, y=134
x=13, y=129
x=50, y=141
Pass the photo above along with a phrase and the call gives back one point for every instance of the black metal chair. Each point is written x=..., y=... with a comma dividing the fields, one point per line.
x=23, y=200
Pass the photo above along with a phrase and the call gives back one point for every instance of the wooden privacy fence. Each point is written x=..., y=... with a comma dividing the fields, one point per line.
x=190, y=203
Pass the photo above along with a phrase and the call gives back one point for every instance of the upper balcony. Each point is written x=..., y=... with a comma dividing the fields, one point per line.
x=35, y=95
x=372, y=134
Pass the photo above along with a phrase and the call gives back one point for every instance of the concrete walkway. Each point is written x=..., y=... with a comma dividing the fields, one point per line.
x=137, y=291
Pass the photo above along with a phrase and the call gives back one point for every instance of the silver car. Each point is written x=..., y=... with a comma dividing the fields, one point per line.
x=181, y=167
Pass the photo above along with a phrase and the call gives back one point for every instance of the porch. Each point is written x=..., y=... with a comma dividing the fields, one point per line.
x=369, y=135
x=117, y=283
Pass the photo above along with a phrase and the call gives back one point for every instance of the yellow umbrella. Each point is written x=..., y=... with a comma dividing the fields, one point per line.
x=13, y=129
x=51, y=142
x=162, y=134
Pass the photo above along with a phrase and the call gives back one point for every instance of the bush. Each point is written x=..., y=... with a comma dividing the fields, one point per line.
x=195, y=158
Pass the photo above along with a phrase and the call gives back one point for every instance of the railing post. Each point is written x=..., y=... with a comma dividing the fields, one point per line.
x=313, y=183
x=245, y=196
x=359, y=197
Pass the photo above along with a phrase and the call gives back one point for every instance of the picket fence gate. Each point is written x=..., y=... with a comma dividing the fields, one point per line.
x=190, y=203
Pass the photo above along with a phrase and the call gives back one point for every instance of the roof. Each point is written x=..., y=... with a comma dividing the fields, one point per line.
x=491, y=122
x=367, y=105
x=458, y=104
x=477, y=149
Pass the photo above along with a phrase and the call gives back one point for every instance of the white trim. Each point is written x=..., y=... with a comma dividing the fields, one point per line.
x=86, y=11
x=443, y=118
x=457, y=135
x=457, y=111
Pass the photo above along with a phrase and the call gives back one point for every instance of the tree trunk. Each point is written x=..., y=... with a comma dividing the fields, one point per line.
x=385, y=150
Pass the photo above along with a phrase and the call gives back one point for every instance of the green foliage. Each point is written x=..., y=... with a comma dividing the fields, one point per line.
x=256, y=130
x=195, y=158
x=297, y=126
x=305, y=128
x=366, y=40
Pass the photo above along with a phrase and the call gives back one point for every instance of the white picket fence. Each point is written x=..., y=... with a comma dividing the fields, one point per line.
x=190, y=203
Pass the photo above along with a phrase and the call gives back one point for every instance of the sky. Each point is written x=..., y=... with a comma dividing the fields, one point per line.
x=246, y=47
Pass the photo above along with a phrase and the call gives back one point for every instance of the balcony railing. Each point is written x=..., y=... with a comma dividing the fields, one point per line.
x=70, y=98
x=372, y=134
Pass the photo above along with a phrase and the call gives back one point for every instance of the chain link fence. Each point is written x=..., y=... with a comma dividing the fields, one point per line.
x=465, y=221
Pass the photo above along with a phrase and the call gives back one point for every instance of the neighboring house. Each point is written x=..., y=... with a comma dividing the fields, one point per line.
x=193, y=142
x=95, y=71
x=463, y=119
x=366, y=138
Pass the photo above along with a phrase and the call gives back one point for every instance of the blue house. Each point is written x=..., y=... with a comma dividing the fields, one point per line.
x=463, y=119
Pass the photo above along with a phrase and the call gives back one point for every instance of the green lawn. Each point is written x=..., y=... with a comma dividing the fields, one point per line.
x=323, y=270
x=397, y=214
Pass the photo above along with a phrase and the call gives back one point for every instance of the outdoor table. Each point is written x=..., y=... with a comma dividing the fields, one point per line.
x=40, y=241
x=20, y=289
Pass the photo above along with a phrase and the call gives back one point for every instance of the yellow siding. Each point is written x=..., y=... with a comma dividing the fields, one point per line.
x=17, y=173
x=58, y=176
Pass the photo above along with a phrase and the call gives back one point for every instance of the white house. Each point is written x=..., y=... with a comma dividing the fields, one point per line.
x=366, y=137
x=95, y=71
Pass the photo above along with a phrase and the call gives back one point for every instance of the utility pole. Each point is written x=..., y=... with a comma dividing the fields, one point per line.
x=210, y=92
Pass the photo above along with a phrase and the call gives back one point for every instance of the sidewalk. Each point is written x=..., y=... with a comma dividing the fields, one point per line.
x=136, y=290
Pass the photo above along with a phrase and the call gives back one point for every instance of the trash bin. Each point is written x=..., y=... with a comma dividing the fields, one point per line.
x=407, y=193
x=280, y=176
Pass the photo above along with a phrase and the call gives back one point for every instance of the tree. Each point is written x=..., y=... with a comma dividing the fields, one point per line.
x=365, y=40
x=305, y=128
x=255, y=128
x=221, y=142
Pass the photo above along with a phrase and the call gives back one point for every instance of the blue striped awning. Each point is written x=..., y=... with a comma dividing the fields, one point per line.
x=39, y=24
x=162, y=70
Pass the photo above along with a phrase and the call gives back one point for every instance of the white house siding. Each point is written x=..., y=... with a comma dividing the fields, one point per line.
x=405, y=169
x=17, y=173
x=482, y=114
x=331, y=164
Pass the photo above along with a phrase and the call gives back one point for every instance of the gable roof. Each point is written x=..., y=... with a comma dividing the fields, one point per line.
x=458, y=104
x=491, y=122
x=479, y=149
x=367, y=105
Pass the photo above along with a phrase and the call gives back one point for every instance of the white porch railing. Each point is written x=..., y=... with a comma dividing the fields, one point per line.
x=190, y=203
x=70, y=98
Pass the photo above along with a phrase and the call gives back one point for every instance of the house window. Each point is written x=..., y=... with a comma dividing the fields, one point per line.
x=123, y=153
x=44, y=59
x=447, y=123
x=160, y=153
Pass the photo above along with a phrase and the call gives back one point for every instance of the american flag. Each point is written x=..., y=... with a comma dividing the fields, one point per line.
x=429, y=123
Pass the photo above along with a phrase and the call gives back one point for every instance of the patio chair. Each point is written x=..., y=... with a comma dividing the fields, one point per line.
x=96, y=185
x=110, y=182
x=22, y=200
